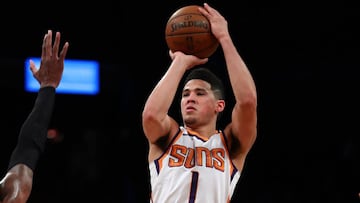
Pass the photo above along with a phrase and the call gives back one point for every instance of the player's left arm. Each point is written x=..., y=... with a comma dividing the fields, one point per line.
x=243, y=127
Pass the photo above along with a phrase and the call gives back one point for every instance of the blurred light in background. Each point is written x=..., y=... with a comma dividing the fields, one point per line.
x=79, y=77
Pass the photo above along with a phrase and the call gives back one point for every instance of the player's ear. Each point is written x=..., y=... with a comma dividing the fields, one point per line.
x=220, y=105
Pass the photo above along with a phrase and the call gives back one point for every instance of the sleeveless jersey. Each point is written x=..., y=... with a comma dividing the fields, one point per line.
x=194, y=169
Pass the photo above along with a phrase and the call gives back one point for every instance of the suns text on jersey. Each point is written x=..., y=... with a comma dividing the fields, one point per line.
x=183, y=156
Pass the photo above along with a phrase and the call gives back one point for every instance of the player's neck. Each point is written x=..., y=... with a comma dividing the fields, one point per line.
x=203, y=130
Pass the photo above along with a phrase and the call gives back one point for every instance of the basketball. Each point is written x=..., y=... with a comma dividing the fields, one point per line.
x=189, y=31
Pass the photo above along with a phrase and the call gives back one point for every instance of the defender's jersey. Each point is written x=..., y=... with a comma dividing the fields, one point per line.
x=191, y=162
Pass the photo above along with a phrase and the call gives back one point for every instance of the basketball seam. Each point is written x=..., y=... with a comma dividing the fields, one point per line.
x=198, y=14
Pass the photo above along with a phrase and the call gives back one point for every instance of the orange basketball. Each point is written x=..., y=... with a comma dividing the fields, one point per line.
x=189, y=31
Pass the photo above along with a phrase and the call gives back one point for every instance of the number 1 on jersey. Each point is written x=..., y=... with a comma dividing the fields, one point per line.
x=193, y=189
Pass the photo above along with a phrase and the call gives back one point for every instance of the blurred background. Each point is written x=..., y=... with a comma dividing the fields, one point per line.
x=304, y=59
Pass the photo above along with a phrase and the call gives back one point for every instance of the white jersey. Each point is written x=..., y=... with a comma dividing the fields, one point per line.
x=193, y=161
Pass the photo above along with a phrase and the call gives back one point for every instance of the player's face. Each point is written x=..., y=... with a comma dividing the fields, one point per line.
x=198, y=103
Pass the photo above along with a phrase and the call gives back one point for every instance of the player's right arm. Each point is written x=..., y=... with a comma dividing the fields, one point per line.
x=155, y=119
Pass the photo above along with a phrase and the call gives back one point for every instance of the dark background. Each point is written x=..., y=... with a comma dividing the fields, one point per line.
x=304, y=60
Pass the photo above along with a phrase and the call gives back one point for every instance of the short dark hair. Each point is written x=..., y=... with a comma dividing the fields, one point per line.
x=203, y=73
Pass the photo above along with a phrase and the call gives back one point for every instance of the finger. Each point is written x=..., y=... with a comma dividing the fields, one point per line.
x=48, y=43
x=207, y=7
x=171, y=54
x=55, y=49
x=210, y=9
x=204, y=60
x=203, y=11
x=33, y=68
x=64, y=51
x=43, y=53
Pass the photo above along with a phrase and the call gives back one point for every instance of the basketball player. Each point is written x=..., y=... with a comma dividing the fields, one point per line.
x=16, y=185
x=194, y=161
